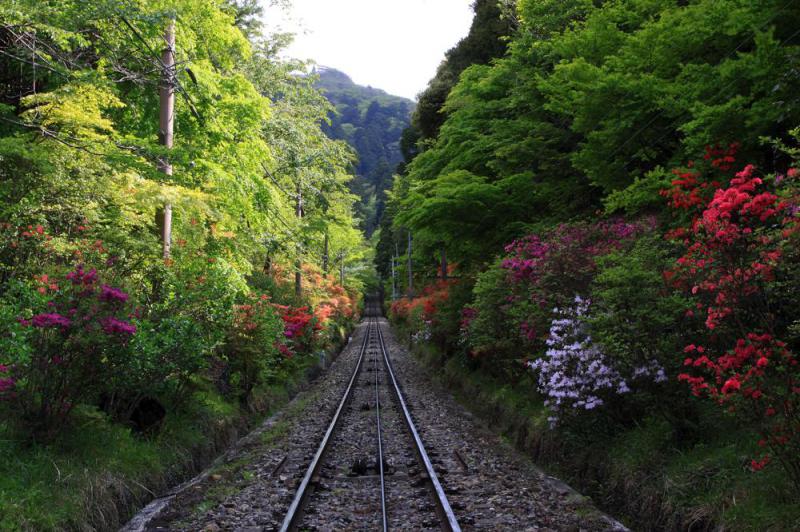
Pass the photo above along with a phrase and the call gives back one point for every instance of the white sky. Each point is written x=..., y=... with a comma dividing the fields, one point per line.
x=394, y=45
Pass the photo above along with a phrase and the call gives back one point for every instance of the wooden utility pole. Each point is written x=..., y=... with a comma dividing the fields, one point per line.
x=394, y=269
x=298, y=275
x=410, y=267
x=325, y=257
x=166, y=123
x=394, y=280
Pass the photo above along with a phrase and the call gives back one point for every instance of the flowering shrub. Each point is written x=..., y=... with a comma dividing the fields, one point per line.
x=421, y=314
x=299, y=327
x=23, y=250
x=514, y=300
x=76, y=336
x=78, y=332
x=734, y=259
x=252, y=346
x=424, y=333
x=401, y=309
x=330, y=301
x=323, y=314
x=574, y=373
x=563, y=261
x=690, y=190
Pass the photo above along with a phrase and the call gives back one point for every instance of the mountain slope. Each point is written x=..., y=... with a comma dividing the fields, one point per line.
x=372, y=122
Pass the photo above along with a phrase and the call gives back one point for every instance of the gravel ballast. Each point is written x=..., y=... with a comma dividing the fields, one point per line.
x=490, y=486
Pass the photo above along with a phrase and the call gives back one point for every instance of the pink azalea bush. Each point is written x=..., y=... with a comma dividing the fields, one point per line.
x=78, y=330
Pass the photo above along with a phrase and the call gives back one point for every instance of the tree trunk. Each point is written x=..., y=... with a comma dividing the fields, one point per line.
x=325, y=257
x=166, y=123
x=298, y=275
x=410, y=268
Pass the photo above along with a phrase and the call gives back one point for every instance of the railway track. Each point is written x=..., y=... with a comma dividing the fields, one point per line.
x=282, y=477
x=371, y=462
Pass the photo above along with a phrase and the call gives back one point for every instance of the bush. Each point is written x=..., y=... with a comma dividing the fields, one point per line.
x=254, y=348
x=488, y=331
x=514, y=300
x=734, y=268
x=78, y=333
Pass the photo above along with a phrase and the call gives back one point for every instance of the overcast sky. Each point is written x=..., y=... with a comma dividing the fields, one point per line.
x=394, y=45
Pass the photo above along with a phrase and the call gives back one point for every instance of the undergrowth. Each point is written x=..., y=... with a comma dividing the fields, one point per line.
x=97, y=473
x=640, y=474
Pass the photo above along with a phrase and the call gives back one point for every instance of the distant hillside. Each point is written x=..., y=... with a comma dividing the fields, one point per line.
x=372, y=122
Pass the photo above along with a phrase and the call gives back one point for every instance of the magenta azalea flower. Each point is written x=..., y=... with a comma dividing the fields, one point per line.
x=112, y=295
x=116, y=326
x=50, y=320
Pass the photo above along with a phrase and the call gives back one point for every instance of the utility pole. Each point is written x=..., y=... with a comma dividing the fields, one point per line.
x=397, y=257
x=410, y=268
x=325, y=257
x=166, y=123
x=298, y=275
x=394, y=280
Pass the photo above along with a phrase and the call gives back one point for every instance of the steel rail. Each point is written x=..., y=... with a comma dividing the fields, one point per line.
x=384, y=517
x=295, y=510
x=443, y=505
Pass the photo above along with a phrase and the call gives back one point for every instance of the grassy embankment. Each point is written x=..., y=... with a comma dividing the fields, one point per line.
x=98, y=473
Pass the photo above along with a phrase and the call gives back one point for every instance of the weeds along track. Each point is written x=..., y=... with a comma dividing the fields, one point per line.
x=371, y=469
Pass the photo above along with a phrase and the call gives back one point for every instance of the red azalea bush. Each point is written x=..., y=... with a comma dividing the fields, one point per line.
x=300, y=327
x=738, y=265
x=420, y=314
x=331, y=302
x=400, y=310
x=253, y=347
x=319, y=318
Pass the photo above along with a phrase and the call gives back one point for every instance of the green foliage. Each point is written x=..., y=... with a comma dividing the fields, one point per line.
x=15, y=338
x=582, y=116
x=251, y=347
x=485, y=41
x=594, y=98
x=636, y=315
x=489, y=332
x=96, y=325
x=371, y=122
x=79, y=185
x=73, y=483
x=180, y=331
